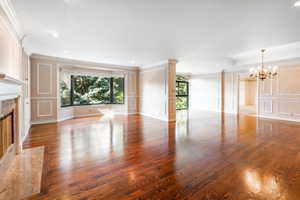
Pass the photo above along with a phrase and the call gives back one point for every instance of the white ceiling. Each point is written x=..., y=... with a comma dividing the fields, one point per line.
x=204, y=35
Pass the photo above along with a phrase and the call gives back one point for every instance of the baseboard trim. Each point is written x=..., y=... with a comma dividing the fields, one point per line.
x=43, y=122
x=87, y=115
x=278, y=118
x=154, y=117
x=27, y=132
x=65, y=118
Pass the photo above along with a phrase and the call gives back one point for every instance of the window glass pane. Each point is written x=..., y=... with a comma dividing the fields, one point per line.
x=65, y=90
x=180, y=78
x=91, y=90
x=118, y=90
x=181, y=103
x=182, y=88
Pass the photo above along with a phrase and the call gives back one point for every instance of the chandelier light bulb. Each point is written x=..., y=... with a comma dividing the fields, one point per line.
x=263, y=72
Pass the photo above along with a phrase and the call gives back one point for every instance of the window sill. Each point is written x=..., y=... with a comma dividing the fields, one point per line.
x=92, y=105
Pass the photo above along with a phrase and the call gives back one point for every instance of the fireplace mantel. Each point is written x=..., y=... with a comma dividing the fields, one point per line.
x=10, y=93
x=10, y=88
x=11, y=80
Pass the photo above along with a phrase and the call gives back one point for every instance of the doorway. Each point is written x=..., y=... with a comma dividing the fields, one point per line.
x=247, y=96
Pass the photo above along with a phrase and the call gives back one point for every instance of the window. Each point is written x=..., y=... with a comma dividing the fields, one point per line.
x=91, y=90
x=182, y=93
x=65, y=90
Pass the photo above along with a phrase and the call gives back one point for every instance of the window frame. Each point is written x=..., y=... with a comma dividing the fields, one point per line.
x=185, y=95
x=111, y=99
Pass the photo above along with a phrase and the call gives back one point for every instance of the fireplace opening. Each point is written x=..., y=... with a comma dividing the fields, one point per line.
x=6, y=133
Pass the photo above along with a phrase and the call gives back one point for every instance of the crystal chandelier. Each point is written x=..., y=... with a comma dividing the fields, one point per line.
x=262, y=72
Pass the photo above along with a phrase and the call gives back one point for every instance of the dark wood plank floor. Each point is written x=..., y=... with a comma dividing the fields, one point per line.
x=210, y=156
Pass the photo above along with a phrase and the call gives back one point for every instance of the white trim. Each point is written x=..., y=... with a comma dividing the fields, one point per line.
x=65, y=118
x=43, y=122
x=11, y=80
x=10, y=13
x=38, y=98
x=154, y=117
x=156, y=68
x=85, y=64
x=278, y=118
x=27, y=133
x=38, y=108
x=38, y=79
x=155, y=64
x=88, y=115
x=133, y=113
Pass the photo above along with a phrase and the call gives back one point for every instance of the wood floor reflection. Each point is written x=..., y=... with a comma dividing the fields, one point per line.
x=201, y=156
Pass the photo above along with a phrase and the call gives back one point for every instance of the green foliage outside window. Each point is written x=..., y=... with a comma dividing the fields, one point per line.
x=182, y=93
x=118, y=91
x=65, y=93
x=181, y=103
x=181, y=78
x=90, y=90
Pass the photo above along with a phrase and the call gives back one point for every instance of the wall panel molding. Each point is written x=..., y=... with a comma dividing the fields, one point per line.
x=286, y=96
x=50, y=83
x=49, y=107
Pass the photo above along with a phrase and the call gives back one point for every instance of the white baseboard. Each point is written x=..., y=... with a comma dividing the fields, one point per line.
x=65, y=118
x=27, y=132
x=43, y=122
x=154, y=117
x=278, y=118
x=91, y=115
x=88, y=115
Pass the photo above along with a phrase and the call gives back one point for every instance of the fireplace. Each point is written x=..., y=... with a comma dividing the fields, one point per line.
x=10, y=124
x=6, y=133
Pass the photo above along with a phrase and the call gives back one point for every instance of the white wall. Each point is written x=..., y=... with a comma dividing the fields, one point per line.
x=205, y=92
x=242, y=93
x=153, y=92
x=216, y=92
x=231, y=87
x=157, y=91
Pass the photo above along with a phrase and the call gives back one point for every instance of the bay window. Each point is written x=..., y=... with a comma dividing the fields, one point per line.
x=76, y=90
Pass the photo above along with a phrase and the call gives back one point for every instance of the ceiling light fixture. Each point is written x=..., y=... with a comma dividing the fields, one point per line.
x=296, y=3
x=261, y=72
x=53, y=34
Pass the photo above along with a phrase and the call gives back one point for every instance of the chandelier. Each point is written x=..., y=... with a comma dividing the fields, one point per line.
x=262, y=72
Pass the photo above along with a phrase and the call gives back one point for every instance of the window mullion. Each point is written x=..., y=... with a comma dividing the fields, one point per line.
x=111, y=90
x=72, y=90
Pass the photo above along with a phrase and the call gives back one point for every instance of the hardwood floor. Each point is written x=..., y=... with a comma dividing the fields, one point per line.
x=210, y=156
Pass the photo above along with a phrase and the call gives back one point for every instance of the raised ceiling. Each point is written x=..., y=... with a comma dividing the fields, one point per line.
x=204, y=35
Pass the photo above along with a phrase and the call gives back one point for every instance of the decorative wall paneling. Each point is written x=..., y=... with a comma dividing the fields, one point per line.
x=46, y=96
x=44, y=91
x=280, y=97
x=13, y=60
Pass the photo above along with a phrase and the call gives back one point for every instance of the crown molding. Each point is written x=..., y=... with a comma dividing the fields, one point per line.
x=84, y=64
x=277, y=54
x=155, y=64
x=163, y=62
x=173, y=61
x=10, y=13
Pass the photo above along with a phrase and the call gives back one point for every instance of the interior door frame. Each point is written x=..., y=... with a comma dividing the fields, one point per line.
x=245, y=73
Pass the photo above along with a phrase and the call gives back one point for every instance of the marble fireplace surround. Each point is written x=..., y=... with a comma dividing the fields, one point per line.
x=10, y=91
